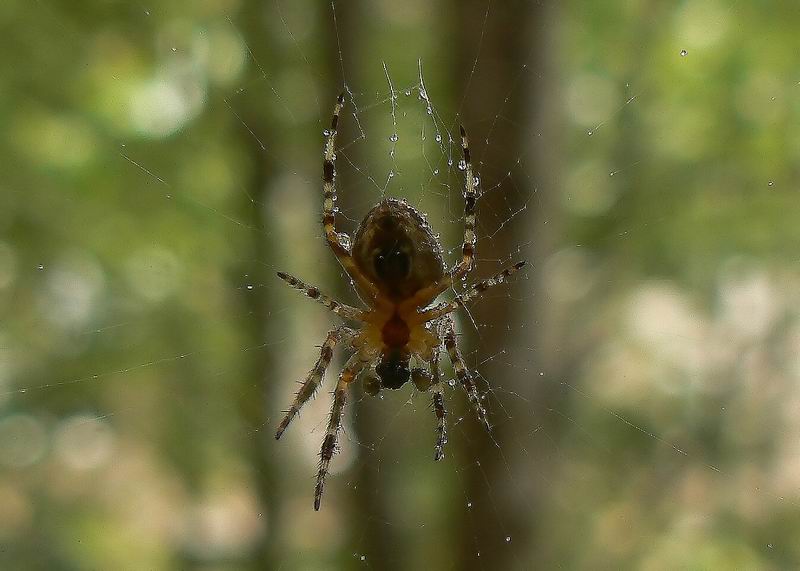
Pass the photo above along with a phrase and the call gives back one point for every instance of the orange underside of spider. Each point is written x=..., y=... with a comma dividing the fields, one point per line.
x=395, y=332
x=395, y=328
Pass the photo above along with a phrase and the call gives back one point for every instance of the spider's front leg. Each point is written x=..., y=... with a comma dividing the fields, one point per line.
x=462, y=372
x=438, y=404
x=315, y=375
x=426, y=381
x=351, y=370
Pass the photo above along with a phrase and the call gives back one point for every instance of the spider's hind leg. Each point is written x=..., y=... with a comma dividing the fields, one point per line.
x=470, y=199
x=338, y=242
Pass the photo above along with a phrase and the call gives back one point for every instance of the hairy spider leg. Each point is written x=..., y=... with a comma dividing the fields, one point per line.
x=315, y=375
x=341, y=250
x=474, y=292
x=340, y=309
x=351, y=370
x=462, y=372
x=470, y=199
x=427, y=294
x=438, y=405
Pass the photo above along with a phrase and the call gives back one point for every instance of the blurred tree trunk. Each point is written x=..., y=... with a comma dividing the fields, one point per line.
x=256, y=391
x=507, y=92
x=369, y=503
x=259, y=391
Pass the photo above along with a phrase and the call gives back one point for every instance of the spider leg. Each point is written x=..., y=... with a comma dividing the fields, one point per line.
x=438, y=405
x=351, y=370
x=474, y=292
x=441, y=427
x=340, y=309
x=425, y=381
x=335, y=239
x=470, y=199
x=426, y=295
x=462, y=372
x=315, y=375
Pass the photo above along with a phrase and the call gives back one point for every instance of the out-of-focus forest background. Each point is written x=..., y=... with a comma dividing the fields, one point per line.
x=161, y=160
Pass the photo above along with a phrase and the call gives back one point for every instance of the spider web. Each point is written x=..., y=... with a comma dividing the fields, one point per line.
x=634, y=421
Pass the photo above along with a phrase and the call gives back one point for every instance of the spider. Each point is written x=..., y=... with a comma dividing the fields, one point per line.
x=398, y=269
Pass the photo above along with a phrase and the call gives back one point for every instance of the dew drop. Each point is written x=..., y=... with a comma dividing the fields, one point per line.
x=462, y=164
x=363, y=558
x=684, y=53
x=22, y=391
x=408, y=92
x=393, y=138
x=771, y=183
x=326, y=132
x=508, y=539
x=438, y=137
x=451, y=382
x=249, y=286
x=590, y=132
x=391, y=174
x=429, y=110
x=40, y=267
x=435, y=171
x=450, y=162
x=469, y=504
x=476, y=182
x=174, y=49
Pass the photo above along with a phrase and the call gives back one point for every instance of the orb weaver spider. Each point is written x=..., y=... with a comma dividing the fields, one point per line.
x=397, y=267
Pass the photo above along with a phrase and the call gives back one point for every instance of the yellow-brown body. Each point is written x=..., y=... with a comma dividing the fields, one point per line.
x=396, y=249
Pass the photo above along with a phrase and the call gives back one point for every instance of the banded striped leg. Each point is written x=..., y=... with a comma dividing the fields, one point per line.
x=463, y=374
x=470, y=199
x=427, y=294
x=341, y=250
x=438, y=406
x=474, y=292
x=315, y=375
x=351, y=370
x=340, y=309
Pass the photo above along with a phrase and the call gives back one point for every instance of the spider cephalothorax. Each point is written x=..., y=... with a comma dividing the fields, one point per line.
x=398, y=269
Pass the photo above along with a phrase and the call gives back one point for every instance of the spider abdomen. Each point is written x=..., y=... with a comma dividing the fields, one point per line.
x=396, y=249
